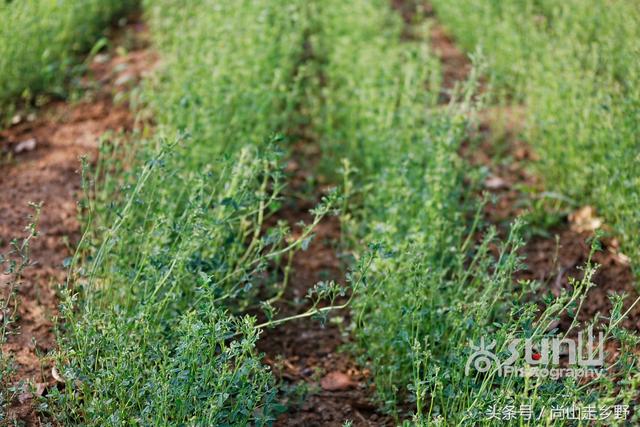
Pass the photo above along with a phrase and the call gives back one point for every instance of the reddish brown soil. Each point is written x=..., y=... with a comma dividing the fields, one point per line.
x=321, y=385
x=325, y=386
x=455, y=64
x=305, y=354
x=572, y=249
x=49, y=174
x=563, y=251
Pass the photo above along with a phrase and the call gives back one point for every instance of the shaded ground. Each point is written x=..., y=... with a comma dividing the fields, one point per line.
x=41, y=164
x=322, y=385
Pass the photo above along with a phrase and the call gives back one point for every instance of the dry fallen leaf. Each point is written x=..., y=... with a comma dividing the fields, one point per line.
x=585, y=219
x=27, y=145
x=56, y=375
x=40, y=387
x=614, y=248
x=495, y=183
x=336, y=381
x=623, y=259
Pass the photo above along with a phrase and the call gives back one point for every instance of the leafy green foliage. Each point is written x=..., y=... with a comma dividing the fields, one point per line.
x=40, y=40
x=574, y=65
x=149, y=334
x=229, y=69
x=13, y=265
x=177, y=246
x=434, y=289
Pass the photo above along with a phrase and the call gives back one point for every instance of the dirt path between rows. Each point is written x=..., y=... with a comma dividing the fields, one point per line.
x=320, y=383
x=42, y=165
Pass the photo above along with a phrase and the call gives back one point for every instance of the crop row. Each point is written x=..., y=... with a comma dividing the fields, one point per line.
x=40, y=42
x=160, y=336
x=575, y=67
x=154, y=338
x=434, y=289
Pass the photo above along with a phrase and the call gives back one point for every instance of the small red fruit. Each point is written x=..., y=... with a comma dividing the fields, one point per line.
x=536, y=356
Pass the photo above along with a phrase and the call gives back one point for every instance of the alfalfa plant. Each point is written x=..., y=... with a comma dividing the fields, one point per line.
x=41, y=42
x=581, y=111
x=13, y=263
x=153, y=320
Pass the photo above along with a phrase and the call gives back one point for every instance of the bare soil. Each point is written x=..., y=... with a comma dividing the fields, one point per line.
x=48, y=173
x=321, y=384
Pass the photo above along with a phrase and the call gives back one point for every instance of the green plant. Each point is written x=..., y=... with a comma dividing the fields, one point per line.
x=573, y=64
x=230, y=72
x=41, y=40
x=13, y=263
x=177, y=246
x=437, y=286
x=161, y=283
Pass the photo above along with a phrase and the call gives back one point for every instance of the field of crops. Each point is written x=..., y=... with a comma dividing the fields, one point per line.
x=319, y=212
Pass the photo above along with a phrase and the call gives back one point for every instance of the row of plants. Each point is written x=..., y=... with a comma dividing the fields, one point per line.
x=41, y=41
x=436, y=289
x=13, y=264
x=176, y=248
x=575, y=67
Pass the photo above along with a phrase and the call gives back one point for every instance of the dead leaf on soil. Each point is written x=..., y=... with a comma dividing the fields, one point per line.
x=337, y=381
x=614, y=248
x=40, y=387
x=27, y=145
x=495, y=183
x=56, y=375
x=23, y=397
x=585, y=219
x=624, y=260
